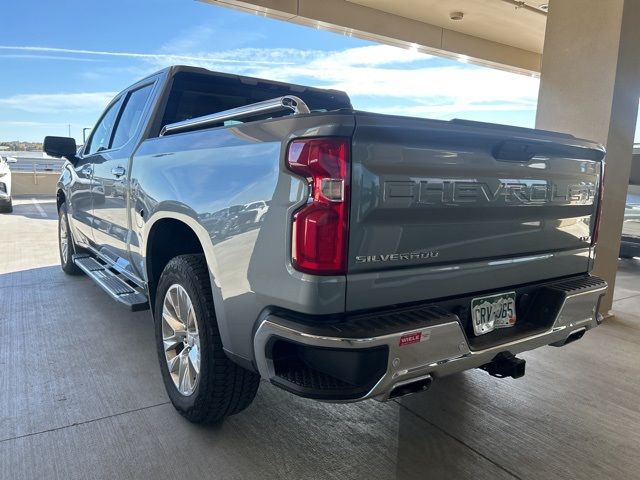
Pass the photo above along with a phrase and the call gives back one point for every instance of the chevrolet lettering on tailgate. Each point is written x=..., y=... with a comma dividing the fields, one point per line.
x=490, y=191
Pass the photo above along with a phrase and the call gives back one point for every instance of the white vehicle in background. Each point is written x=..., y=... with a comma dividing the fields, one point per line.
x=6, y=204
x=630, y=241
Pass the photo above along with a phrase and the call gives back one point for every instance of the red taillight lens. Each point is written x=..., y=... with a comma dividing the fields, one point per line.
x=320, y=228
x=596, y=228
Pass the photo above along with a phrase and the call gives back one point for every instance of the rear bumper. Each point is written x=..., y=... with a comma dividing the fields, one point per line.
x=338, y=361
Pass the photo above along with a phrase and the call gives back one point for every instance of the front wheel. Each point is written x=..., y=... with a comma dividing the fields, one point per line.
x=8, y=208
x=65, y=243
x=202, y=383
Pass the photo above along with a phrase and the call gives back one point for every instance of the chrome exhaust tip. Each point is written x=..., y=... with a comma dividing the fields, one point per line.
x=410, y=386
x=573, y=336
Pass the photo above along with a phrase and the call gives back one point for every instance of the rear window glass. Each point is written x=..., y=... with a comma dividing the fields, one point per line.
x=194, y=95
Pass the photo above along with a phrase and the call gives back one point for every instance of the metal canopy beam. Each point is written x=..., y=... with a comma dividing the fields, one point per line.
x=353, y=19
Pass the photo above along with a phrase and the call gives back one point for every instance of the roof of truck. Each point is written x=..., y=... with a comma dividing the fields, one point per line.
x=174, y=69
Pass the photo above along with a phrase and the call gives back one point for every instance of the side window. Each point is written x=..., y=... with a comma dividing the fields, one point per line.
x=102, y=131
x=131, y=115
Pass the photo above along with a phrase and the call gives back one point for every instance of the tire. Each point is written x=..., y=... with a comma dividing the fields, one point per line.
x=8, y=208
x=221, y=388
x=629, y=251
x=66, y=249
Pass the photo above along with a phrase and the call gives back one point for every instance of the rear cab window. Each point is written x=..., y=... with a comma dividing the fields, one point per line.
x=197, y=94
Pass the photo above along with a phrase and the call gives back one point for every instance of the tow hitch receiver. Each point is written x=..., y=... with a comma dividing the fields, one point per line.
x=504, y=365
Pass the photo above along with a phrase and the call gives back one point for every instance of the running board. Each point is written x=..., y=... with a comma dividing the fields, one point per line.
x=112, y=283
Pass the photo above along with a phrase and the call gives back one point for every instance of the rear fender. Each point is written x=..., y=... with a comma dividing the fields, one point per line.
x=207, y=247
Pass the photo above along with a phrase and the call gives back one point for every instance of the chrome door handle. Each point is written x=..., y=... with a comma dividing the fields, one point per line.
x=87, y=169
x=118, y=171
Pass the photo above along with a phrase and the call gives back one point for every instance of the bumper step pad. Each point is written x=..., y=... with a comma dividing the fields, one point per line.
x=112, y=283
x=578, y=285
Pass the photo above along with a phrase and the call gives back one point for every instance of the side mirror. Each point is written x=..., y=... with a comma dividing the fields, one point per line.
x=12, y=160
x=60, y=147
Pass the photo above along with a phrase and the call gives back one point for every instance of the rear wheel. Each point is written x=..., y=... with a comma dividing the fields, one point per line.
x=202, y=383
x=65, y=243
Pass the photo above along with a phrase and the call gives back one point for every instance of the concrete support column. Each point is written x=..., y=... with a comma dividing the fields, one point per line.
x=590, y=87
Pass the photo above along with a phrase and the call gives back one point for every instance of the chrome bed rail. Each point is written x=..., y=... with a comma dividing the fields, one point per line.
x=288, y=102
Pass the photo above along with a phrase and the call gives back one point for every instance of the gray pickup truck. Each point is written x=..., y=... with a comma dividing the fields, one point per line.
x=277, y=233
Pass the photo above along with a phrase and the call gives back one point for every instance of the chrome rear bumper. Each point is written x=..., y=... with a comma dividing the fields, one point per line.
x=434, y=346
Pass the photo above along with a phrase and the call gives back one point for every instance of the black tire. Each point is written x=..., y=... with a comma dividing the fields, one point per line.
x=629, y=250
x=223, y=387
x=7, y=208
x=66, y=261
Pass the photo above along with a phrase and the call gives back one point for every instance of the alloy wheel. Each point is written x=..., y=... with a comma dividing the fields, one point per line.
x=181, y=339
x=64, y=239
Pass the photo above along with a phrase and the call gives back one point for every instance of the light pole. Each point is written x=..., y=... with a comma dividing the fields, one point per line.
x=84, y=134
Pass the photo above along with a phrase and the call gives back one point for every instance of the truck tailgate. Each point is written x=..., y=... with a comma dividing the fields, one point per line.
x=449, y=208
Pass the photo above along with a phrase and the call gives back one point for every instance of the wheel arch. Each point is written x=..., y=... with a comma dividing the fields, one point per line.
x=60, y=198
x=168, y=236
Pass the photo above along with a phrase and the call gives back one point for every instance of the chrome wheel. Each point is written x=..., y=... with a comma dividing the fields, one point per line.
x=181, y=339
x=64, y=239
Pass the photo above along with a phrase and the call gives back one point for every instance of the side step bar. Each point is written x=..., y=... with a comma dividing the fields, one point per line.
x=117, y=288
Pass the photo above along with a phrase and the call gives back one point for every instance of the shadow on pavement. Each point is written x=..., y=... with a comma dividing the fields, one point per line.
x=42, y=209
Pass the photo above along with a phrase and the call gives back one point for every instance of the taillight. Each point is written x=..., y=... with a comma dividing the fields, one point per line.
x=596, y=228
x=320, y=228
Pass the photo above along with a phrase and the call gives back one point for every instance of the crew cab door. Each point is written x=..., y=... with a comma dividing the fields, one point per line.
x=111, y=172
x=83, y=190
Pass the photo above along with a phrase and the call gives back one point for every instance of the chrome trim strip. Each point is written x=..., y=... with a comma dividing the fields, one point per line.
x=289, y=102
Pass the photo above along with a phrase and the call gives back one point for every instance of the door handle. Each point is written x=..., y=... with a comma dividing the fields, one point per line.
x=118, y=171
x=87, y=169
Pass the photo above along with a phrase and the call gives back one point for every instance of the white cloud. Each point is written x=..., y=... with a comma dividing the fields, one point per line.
x=440, y=84
x=203, y=38
x=293, y=60
x=48, y=57
x=58, y=102
x=369, y=56
x=18, y=123
x=377, y=77
x=163, y=57
x=439, y=111
x=377, y=71
x=396, y=74
x=191, y=40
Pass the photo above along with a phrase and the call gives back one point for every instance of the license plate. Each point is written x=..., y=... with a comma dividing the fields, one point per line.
x=493, y=311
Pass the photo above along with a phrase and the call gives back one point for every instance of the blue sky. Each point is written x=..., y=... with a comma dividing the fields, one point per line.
x=61, y=62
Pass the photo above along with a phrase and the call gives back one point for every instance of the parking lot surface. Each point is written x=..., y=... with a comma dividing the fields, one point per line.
x=81, y=397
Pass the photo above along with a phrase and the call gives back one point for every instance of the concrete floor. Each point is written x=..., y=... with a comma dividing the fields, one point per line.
x=81, y=397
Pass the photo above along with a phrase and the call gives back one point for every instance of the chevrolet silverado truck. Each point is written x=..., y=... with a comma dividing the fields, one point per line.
x=380, y=253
